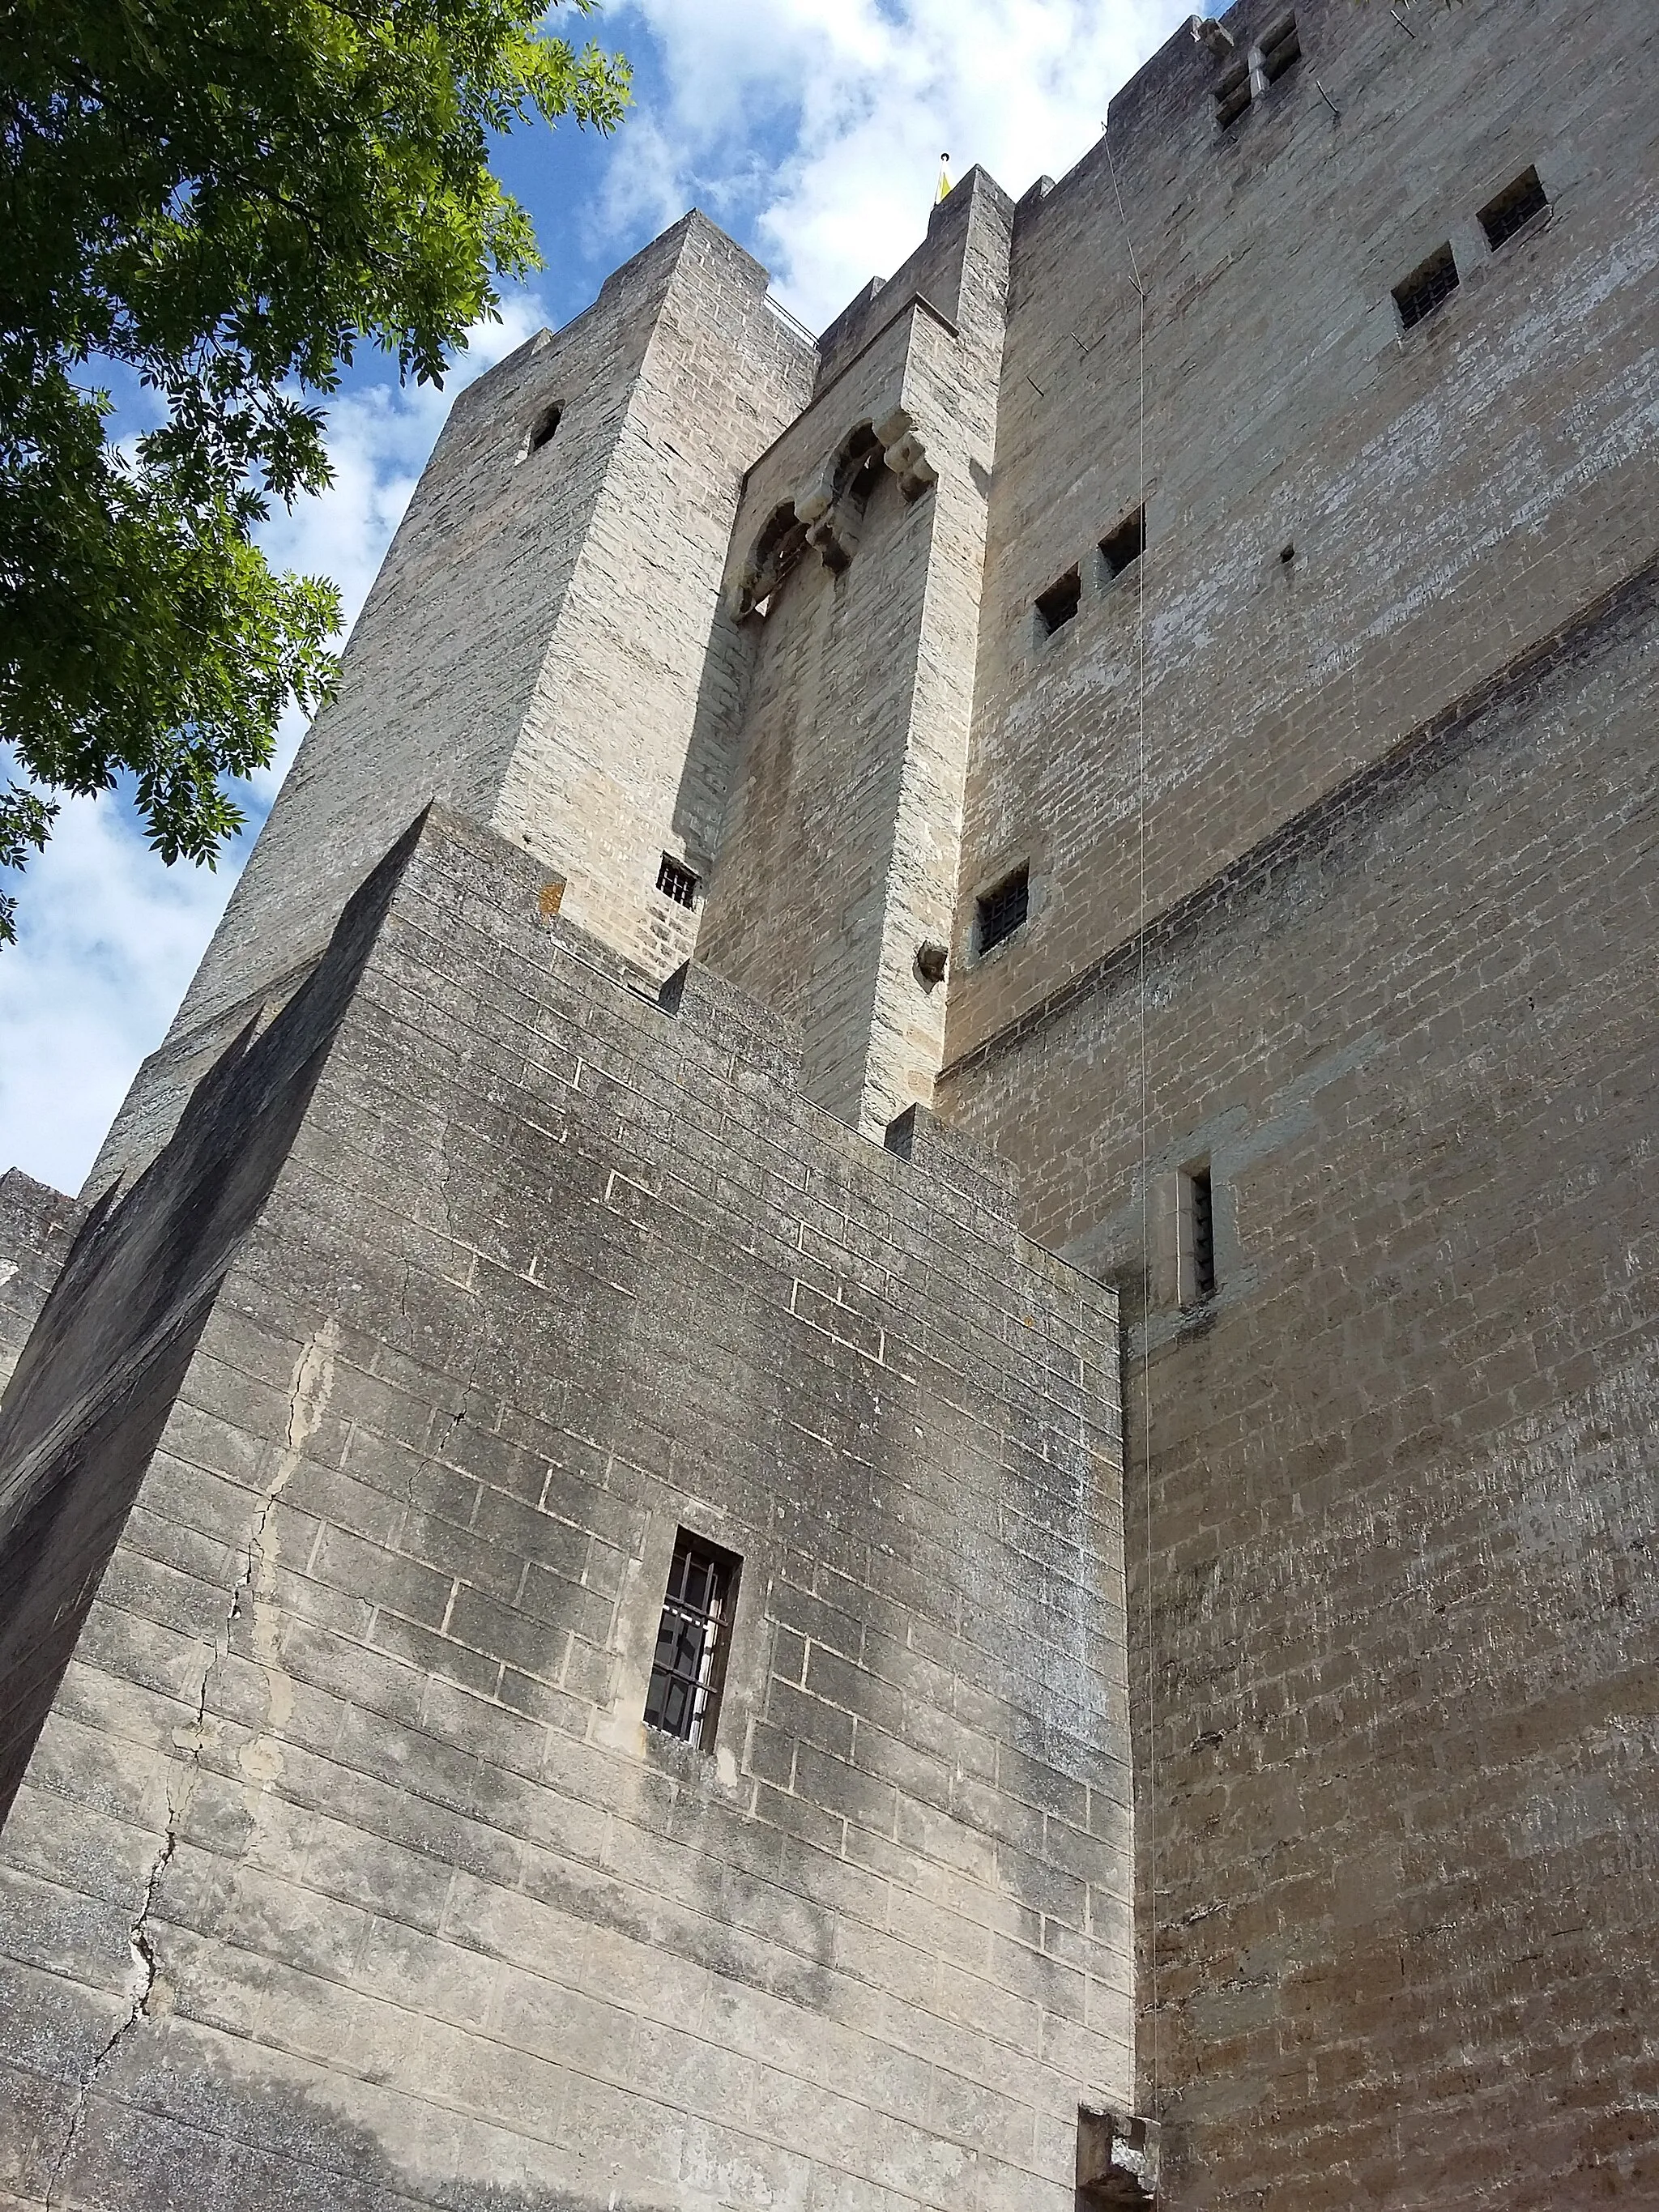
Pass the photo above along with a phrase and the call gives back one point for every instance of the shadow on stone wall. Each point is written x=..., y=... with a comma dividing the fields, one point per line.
x=97, y=1379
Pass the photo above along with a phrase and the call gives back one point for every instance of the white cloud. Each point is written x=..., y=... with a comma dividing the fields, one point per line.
x=859, y=99
x=108, y=936
x=110, y=939
x=643, y=193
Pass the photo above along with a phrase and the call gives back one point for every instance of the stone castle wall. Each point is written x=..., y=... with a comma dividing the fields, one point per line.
x=536, y=648
x=1395, y=1755
x=839, y=856
x=36, y=1225
x=344, y=1871
x=1337, y=810
x=1451, y=493
x=1394, y=1561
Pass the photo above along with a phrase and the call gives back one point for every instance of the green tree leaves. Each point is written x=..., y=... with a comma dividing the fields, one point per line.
x=225, y=197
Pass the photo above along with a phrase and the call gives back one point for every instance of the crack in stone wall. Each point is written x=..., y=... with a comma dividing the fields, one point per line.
x=261, y=1760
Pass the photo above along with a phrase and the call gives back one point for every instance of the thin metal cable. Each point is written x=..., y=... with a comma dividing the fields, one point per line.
x=1145, y=1142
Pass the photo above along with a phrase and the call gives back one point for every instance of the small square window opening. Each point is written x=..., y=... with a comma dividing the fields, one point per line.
x=1060, y=602
x=677, y=881
x=540, y=432
x=1513, y=208
x=1281, y=49
x=1232, y=95
x=1426, y=288
x=1003, y=910
x=686, y=1674
x=1124, y=545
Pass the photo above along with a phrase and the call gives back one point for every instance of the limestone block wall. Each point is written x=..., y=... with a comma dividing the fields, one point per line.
x=840, y=853
x=533, y=649
x=1396, y=1770
x=626, y=746
x=1445, y=494
x=344, y=1872
x=99, y=1377
x=795, y=907
x=36, y=1224
x=1396, y=1759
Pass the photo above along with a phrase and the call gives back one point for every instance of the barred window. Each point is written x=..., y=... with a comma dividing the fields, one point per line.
x=1197, y=1238
x=1426, y=288
x=1003, y=910
x=1513, y=208
x=683, y=1697
x=677, y=881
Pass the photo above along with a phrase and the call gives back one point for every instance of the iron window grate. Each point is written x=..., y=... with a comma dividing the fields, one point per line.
x=683, y=1699
x=1056, y=606
x=1201, y=1199
x=677, y=881
x=1513, y=208
x=1004, y=908
x=1427, y=288
x=1124, y=546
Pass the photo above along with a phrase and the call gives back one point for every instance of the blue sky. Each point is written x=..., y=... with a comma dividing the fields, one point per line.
x=811, y=131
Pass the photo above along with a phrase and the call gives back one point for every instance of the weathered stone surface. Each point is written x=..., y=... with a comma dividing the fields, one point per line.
x=36, y=1225
x=98, y=1380
x=540, y=647
x=840, y=854
x=1391, y=1500
x=1399, y=1501
x=1336, y=809
x=345, y=1854
x=1451, y=493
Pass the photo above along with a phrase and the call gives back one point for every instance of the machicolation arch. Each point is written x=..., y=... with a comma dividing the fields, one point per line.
x=777, y=549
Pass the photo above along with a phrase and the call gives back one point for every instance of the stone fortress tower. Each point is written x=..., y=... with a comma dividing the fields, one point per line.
x=862, y=1415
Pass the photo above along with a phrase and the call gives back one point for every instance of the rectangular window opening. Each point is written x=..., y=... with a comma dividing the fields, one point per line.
x=1060, y=602
x=677, y=881
x=690, y=1666
x=1232, y=95
x=1004, y=908
x=1513, y=208
x=1281, y=49
x=1126, y=544
x=1426, y=288
x=1198, y=1283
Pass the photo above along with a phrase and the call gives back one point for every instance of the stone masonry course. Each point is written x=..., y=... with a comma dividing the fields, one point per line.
x=944, y=1067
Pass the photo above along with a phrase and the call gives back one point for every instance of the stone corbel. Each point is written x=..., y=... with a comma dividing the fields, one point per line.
x=832, y=540
x=1117, y=2158
x=740, y=600
x=812, y=500
x=903, y=452
x=831, y=534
